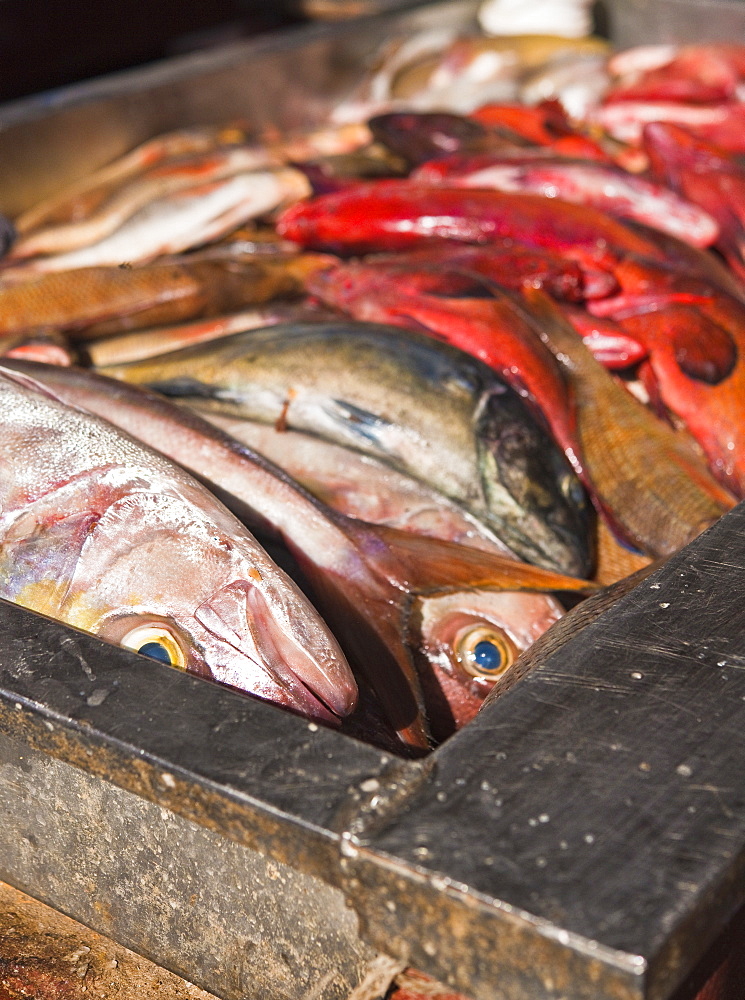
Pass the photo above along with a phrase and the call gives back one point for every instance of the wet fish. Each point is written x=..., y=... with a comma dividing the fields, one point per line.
x=363, y=487
x=429, y=623
x=152, y=341
x=400, y=215
x=85, y=194
x=463, y=310
x=181, y=220
x=647, y=479
x=125, y=200
x=104, y=534
x=429, y=410
x=601, y=186
x=82, y=301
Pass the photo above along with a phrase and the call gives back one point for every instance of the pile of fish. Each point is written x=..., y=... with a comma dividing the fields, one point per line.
x=458, y=360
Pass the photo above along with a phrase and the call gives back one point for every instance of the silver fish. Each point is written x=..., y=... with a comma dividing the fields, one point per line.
x=102, y=533
x=429, y=410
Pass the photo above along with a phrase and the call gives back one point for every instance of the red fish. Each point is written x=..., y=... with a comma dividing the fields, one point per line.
x=399, y=215
x=695, y=74
x=706, y=174
x=608, y=188
x=697, y=356
x=513, y=266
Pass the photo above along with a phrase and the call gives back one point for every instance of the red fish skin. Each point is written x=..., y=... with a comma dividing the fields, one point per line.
x=712, y=407
x=600, y=186
x=400, y=215
x=706, y=173
x=697, y=74
x=495, y=330
x=608, y=341
x=512, y=266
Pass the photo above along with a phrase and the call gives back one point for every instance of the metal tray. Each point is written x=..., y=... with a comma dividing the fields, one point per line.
x=583, y=838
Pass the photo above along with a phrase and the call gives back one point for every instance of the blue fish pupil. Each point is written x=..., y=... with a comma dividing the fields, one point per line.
x=487, y=655
x=155, y=651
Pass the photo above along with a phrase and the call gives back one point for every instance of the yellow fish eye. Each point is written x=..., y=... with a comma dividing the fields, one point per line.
x=157, y=642
x=484, y=652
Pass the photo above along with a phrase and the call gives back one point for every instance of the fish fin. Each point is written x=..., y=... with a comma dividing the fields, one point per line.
x=42, y=559
x=424, y=565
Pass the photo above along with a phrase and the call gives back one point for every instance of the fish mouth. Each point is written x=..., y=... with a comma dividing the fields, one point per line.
x=305, y=672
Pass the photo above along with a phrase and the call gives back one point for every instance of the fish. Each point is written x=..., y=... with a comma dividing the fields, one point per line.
x=511, y=266
x=601, y=186
x=400, y=215
x=648, y=480
x=86, y=193
x=428, y=409
x=463, y=310
x=419, y=136
x=579, y=617
x=690, y=74
x=697, y=359
x=362, y=487
x=104, y=534
x=83, y=300
x=721, y=124
x=160, y=180
x=179, y=220
x=706, y=174
x=152, y=341
x=429, y=623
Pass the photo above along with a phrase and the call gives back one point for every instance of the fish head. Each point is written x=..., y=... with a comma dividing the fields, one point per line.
x=466, y=640
x=158, y=575
x=532, y=493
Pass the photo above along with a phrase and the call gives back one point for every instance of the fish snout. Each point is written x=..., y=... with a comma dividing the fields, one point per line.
x=285, y=657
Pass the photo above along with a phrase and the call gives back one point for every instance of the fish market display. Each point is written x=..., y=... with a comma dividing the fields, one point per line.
x=451, y=621
x=429, y=410
x=105, y=534
x=485, y=329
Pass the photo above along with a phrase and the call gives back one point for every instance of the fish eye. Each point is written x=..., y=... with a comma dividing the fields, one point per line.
x=484, y=652
x=157, y=642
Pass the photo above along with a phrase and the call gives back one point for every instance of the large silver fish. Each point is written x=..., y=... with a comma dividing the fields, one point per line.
x=428, y=623
x=428, y=409
x=104, y=534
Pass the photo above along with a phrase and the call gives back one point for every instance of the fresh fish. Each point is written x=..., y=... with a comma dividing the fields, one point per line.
x=363, y=487
x=420, y=136
x=463, y=310
x=648, y=480
x=105, y=534
x=693, y=74
x=580, y=617
x=697, y=357
x=159, y=181
x=181, y=220
x=85, y=194
x=151, y=342
x=601, y=186
x=577, y=82
x=429, y=624
x=401, y=215
x=82, y=301
x=722, y=124
x=513, y=266
x=706, y=174
x=429, y=410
